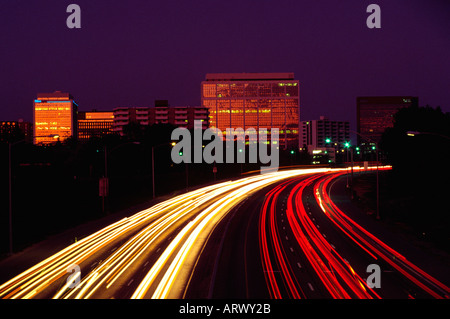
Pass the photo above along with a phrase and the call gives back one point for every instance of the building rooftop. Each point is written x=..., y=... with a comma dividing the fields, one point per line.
x=57, y=95
x=248, y=76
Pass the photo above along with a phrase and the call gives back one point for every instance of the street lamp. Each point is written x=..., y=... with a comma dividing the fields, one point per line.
x=153, y=163
x=378, y=183
x=105, y=184
x=10, y=145
x=347, y=146
x=414, y=133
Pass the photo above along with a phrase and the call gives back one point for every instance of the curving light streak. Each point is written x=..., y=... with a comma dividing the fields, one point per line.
x=34, y=280
x=181, y=253
x=374, y=246
x=204, y=207
x=335, y=273
x=273, y=237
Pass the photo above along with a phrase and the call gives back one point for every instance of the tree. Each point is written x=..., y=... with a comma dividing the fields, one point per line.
x=420, y=167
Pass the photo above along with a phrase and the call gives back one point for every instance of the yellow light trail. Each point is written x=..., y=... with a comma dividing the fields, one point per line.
x=196, y=213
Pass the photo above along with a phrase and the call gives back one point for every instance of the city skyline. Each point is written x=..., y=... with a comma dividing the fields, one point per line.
x=132, y=54
x=236, y=152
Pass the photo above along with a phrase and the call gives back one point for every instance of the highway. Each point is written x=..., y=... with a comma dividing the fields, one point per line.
x=276, y=235
x=306, y=247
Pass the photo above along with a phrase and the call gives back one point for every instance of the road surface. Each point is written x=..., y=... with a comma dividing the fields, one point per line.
x=275, y=235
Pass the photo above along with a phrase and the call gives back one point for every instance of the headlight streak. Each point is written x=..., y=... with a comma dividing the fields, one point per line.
x=38, y=277
x=198, y=212
x=243, y=189
x=30, y=283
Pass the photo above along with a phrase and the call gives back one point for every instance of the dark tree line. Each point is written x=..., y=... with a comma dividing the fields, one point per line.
x=421, y=172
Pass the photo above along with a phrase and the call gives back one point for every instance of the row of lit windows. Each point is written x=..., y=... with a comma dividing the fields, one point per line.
x=52, y=108
x=223, y=90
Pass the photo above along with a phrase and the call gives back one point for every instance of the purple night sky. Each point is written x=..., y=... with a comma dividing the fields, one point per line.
x=129, y=53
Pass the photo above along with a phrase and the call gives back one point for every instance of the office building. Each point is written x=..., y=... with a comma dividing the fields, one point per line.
x=375, y=114
x=162, y=113
x=254, y=100
x=94, y=124
x=324, y=136
x=126, y=115
x=10, y=130
x=54, y=117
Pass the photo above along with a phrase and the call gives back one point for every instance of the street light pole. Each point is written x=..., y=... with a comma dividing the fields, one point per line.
x=414, y=133
x=10, y=145
x=378, y=184
x=105, y=183
x=153, y=170
x=153, y=164
x=10, y=203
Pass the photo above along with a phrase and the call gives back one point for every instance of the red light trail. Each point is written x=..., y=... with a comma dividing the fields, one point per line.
x=334, y=272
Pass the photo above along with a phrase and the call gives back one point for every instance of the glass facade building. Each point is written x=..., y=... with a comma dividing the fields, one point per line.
x=54, y=117
x=375, y=114
x=261, y=101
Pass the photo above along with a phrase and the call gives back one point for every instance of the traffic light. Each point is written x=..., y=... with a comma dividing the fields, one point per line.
x=328, y=140
x=347, y=144
x=180, y=153
x=292, y=152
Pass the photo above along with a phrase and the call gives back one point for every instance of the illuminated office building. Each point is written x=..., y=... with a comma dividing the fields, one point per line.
x=254, y=100
x=94, y=124
x=375, y=114
x=54, y=117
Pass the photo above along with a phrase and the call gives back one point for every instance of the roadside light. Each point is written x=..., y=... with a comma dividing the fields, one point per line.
x=240, y=150
x=173, y=143
x=412, y=133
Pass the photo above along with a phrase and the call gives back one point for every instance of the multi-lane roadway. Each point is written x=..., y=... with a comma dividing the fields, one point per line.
x=276, y=235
